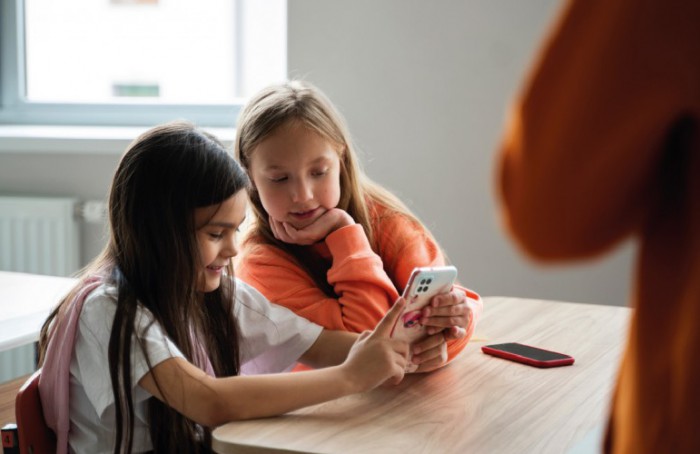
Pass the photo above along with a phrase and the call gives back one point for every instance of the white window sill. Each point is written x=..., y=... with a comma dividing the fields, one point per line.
x=79, y=139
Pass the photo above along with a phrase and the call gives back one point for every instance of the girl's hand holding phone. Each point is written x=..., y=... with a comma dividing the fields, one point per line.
x=447, y=317
x=376, y=357
x=450, y=312
x=324, y=225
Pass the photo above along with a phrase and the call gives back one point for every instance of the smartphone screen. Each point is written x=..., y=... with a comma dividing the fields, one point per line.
x=528, y=355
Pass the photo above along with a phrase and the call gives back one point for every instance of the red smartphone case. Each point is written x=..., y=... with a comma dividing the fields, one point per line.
x=505, y=351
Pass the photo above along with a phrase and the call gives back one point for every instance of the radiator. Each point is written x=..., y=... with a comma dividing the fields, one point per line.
x=38, y=235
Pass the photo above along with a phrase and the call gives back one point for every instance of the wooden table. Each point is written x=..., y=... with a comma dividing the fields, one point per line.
x=25, y=302
x=477, y=404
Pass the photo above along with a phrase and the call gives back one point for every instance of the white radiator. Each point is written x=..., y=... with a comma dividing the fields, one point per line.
x=38, y=235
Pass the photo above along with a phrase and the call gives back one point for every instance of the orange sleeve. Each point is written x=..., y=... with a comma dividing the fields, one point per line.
x=405, y=245
x=581, y=155
x=357, y=276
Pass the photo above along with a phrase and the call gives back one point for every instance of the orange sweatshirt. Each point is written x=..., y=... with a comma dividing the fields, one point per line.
x=604, y=145
x=365, y=283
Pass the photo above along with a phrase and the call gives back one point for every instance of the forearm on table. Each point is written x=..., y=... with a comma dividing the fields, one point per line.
x=214, y=401
x=246, y=397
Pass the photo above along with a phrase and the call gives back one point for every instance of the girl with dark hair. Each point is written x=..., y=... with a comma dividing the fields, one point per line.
x=159, y=314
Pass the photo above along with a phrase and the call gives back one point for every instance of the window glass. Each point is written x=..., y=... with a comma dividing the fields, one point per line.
x=151, y=51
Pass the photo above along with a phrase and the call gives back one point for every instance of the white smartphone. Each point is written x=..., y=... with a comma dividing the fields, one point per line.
x=422, y=286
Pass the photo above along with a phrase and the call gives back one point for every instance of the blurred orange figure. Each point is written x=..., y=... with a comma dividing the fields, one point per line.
x=602, y=145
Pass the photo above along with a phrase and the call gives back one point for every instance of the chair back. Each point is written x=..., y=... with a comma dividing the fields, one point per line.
x=35, y=437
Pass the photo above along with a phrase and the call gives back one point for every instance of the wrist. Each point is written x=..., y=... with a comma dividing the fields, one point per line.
x=344, y=219
x=348, y=379
x=347, y=241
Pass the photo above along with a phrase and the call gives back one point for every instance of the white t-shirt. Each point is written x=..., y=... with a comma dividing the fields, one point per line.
x=272, y=340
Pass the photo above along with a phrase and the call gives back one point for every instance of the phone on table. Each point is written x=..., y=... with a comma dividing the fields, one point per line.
x=529, y=355
x=423, y=284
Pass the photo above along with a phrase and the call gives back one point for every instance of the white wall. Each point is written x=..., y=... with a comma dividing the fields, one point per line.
x=424, y=86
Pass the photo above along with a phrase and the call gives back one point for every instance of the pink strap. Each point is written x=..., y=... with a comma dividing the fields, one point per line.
x=55, y=372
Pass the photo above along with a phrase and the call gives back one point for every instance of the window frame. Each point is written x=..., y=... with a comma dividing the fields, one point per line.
x=15, y=109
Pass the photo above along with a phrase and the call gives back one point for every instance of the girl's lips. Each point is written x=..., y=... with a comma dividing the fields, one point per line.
x=215, y=269
x=304, y=214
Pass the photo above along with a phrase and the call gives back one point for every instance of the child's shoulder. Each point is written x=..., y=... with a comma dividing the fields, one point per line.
x=102, y=299
x=387, y=218
x=97, y=313
x=100, y=307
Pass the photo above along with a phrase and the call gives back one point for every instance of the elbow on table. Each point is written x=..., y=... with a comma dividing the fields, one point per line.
x=216, y=406
x=219, y=412
x=210, y=413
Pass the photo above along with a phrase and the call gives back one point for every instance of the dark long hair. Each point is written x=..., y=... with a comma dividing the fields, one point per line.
x=152, y=258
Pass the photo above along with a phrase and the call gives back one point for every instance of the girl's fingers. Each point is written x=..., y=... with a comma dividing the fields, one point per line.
x=437, y=323
x=435, y=355
x=454, y=332
x=449, y=309
x=314, y=232
x=386, y=324
x=455, y=297
x=287, y=233
x=428, y=343
x=279, y=231
x=305, y=236
x=296, y=236
x=397, y=375
x=431, y=365
x=291, y=233
x=456, y=310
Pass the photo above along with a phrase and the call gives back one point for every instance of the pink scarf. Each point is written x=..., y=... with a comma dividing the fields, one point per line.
x=55, y=372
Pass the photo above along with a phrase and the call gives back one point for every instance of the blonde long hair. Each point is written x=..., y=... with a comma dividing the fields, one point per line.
x=298, y=101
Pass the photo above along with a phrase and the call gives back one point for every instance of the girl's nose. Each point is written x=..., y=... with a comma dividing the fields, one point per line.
x=302, y=191
x=231, y=247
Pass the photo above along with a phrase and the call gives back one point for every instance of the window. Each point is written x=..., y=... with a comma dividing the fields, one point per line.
x=136, y=62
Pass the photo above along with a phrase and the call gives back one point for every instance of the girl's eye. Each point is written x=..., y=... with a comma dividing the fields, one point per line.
x=278, y=179
x=319, y=173
x=216, y=236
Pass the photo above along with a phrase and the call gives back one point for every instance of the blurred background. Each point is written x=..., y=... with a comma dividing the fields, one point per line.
x=424, y=87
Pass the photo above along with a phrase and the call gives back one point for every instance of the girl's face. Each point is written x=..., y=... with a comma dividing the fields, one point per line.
x=217, y=226
x=297, y=175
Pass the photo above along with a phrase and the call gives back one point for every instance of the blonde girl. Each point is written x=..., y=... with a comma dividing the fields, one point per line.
x=326, y=241
x=158, y=342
